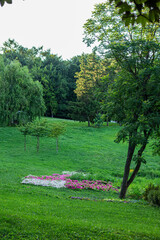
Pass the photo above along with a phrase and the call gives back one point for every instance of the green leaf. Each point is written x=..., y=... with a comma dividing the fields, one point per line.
x=2, y=2
x=152, y=15
x=142, y=20
x=140, y=1
x=127, y=21
x=124, y=7
x=9, y=1
x=158, y=4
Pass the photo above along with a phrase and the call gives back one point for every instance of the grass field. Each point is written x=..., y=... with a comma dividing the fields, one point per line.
x=36, y=212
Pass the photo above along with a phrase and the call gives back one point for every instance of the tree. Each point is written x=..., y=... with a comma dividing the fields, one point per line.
x=134, y=100
x=138, y=11
x=27, y=57
x=72, y=66
x=25, y=131
x=105, y=27
x=54, y=131
x=133, y=96
x=21, y=98
x=56, y=75
x=38, y=128
x=91, y=72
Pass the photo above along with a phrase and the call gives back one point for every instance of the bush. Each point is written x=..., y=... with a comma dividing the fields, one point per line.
x=152, y=194
x=154, y=197
x=98, y=121
x=135, y=192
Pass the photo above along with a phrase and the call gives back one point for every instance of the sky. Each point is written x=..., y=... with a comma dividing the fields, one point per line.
x=53, y=24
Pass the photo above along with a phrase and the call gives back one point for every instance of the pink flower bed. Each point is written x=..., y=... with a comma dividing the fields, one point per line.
x=76, y=184
x=54, y=176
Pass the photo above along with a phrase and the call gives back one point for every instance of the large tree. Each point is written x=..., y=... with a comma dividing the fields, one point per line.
x=134, y=93
x=134, y=100
x=21, y=97
x=91, y=72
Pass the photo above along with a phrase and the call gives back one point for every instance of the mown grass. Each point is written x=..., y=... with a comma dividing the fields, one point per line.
x=35, y=212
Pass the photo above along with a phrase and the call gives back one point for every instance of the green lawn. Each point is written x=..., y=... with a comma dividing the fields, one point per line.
x=36, y=212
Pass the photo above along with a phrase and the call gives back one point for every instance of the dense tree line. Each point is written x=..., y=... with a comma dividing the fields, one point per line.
x=55, y=75
x=72, y=89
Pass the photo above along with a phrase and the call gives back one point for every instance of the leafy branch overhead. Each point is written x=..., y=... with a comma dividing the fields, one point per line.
x=2, y=2
x=138, y=11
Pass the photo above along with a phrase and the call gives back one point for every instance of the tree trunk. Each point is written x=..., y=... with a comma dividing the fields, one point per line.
x=124, y=185
x=89, y=122
x=107, y=121
x=126, y=182
x=141, y=150
x=134, y=173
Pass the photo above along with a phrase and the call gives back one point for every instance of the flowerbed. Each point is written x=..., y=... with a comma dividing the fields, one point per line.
x=63, y=180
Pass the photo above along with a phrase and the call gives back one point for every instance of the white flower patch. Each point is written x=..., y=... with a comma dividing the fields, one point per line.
x=73, y=173
x=45, y=183
x=70, y=173
x=55, y=180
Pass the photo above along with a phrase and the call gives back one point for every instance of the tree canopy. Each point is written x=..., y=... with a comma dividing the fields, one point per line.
x=55, y=75
x=138, y=11
x=21, y=98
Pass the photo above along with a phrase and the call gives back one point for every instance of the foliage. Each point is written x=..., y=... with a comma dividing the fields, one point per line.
x=92, y=69
x=132, y=98
x=55, y=74
x=105, y=27
x=156, y=143
x=25, y=130
x=38, y=128
x=98, y=121
x=2, y=2
x=149, y=188
x=138, y=11
x=54, y=131
x=82, y=111
x=152, y=194
x=21, y=97
x=154, y=197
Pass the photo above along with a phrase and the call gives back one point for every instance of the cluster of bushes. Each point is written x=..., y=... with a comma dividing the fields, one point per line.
x=152, y=194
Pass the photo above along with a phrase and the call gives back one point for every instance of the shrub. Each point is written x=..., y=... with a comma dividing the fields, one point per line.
x=98, y=121
x=152, y=194
x=135, y=192
x=154, y=197
x=149, y=188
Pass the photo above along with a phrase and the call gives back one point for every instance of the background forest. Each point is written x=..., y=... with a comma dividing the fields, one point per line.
x=49, y=71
